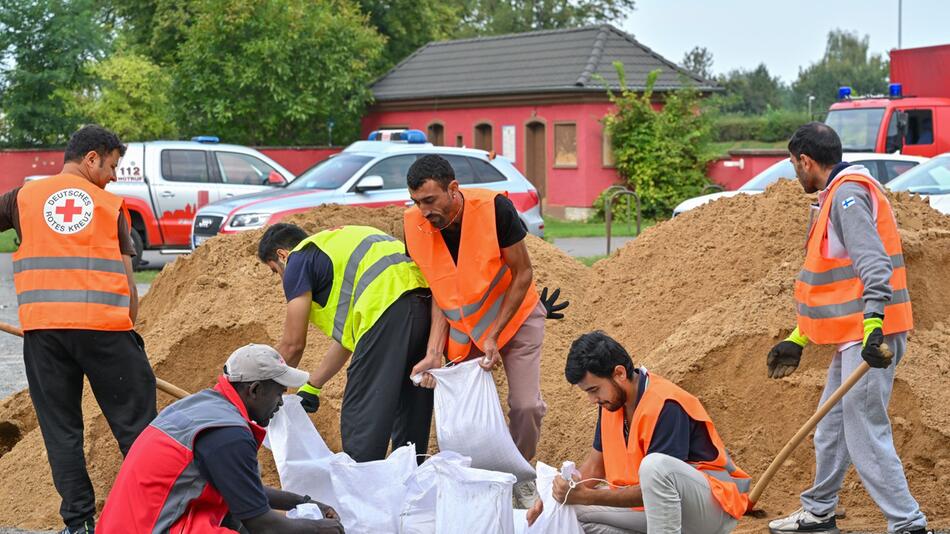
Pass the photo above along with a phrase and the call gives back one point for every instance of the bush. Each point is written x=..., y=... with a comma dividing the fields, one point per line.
x=660, y=154
x=775, y=125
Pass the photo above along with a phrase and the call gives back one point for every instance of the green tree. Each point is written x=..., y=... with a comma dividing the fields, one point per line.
x=750, y=91
x=153, y=28
x=495, y=17
x=847, y=61
x=661, y=154
x=44, y=45
x=699, y=61
x=409, y=24
x=131, y=95
x=275, y=71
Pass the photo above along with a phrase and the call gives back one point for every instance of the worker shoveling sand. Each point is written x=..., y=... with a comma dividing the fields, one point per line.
x=700, y=299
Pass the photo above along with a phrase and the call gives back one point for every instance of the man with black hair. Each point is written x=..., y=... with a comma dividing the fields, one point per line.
x=852, y=293
x=356, y=284
x=470, y=247
x=77, y=306
x=654, y=444
x=194, y=469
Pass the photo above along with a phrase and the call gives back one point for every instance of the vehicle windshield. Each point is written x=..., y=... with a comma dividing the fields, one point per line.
x=857, y=128
x=929, y=178
x=782, y=169
x=331, y=173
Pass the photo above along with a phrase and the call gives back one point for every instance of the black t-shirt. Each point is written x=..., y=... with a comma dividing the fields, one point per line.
x=676, y=434
x=508, y=227
x=227, y=458
x=309, y=269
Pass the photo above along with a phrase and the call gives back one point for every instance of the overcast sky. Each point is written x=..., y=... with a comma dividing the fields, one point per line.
x=784, y=35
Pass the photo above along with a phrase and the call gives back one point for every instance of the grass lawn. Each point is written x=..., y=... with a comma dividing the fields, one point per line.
x=7, y=243
x=723, y=148
x=554, y=228
x=590, y=260
x=146, y=276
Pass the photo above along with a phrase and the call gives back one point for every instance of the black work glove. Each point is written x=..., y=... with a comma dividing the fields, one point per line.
x=551, y=305
x=783, y=359
x=309, y=398
x=872, y=352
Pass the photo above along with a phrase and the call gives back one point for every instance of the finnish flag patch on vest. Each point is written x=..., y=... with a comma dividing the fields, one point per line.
x=847, y=203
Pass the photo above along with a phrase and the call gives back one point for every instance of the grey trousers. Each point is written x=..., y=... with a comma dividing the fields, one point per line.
x=858, y=431
x=676, y=498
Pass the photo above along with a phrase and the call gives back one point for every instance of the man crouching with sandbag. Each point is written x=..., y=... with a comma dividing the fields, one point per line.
x=194, y=468
x=654, y=445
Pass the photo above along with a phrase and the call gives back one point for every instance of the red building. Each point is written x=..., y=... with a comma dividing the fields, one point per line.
x=537, y=98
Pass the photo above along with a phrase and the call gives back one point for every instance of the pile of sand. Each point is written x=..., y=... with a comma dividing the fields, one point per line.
x=699, y=299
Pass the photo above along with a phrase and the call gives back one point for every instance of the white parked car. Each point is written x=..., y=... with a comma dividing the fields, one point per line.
x=884, y=167
x=930, y=179
x=369, y=173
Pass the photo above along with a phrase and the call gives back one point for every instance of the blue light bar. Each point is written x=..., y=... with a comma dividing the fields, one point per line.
x=406, y=136
x=895, y=90
x=206, y=139
x=844, y=92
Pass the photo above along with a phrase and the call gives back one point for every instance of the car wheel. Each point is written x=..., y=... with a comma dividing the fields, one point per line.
x=137, y=260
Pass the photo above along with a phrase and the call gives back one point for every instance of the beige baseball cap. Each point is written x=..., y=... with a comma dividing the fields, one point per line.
x=254, y=362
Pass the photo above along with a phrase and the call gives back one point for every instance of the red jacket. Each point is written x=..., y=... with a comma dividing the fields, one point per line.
x=159, y=488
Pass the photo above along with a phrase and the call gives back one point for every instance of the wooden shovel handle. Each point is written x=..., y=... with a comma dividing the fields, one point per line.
x=167, y=387
x=809, y=425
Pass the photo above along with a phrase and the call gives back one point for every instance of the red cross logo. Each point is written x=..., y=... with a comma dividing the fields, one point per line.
x=69, y=210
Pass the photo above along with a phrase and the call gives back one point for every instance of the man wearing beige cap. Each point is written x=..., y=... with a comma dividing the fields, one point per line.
x=194, y=469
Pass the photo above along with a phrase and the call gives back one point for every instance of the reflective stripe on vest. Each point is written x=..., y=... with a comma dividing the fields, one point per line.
x=470, y=289
x=69, y=271
x=829, y=292
x=365, y=260
x=728, y=484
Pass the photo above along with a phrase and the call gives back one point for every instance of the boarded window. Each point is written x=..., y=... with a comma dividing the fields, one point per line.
x=483, y=135
x=458, y=141
x=565, y=145
x=607, y=157
x=437, y=134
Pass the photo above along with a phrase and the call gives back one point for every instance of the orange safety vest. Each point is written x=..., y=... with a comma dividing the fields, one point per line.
x=68, y=271
x=828, y=292
x=729, y=484
x=470, y=293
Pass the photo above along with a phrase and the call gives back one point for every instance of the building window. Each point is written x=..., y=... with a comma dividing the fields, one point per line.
x=437, y=134
x=607, y=156
x=565, y=144
x=483, y=137
x=458, y=141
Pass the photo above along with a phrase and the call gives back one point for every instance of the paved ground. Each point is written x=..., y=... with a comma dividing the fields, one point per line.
x=584, y=247
x=12, y=377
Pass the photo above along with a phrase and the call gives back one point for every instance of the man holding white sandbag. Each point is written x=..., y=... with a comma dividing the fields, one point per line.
x=470, y=247
x=654, y=445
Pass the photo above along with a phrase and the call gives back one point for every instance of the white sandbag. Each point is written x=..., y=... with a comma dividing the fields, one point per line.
x=520, y=518
x=370, y=494
x=469, y=420
x=556, y=518
x=302, y=457
x=418, y=508
x=473, y=501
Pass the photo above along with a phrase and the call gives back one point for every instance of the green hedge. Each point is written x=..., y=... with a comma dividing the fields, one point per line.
x=771, y=126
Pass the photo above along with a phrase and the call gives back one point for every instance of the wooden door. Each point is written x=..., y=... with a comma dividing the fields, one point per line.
x=536, y=157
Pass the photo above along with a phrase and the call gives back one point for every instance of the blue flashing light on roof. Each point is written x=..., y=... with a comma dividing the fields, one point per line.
x=844, y=92
x=206, y=139
x=895, y=90
x=406, y=136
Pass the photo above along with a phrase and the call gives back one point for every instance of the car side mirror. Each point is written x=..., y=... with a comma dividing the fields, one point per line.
x=368, y=183
x=275, y=178
x=896, y=142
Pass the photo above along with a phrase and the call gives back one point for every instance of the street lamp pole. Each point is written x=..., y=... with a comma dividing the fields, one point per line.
x=900, y=13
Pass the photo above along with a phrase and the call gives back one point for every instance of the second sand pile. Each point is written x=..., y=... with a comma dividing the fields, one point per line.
x=699, y=299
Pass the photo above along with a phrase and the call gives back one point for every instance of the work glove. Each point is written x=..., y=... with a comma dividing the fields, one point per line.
x=784, y=358
x=309, y=398
x=873, y=339
x=551, y=305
